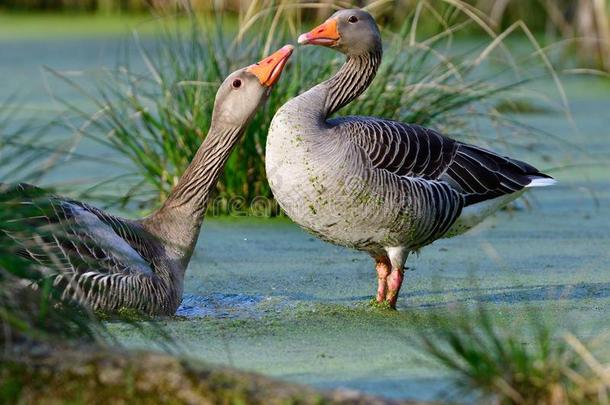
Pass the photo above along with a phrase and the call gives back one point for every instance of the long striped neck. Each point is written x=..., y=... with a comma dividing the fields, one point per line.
x=351, y=80
x=199, y=179
x=178, y=222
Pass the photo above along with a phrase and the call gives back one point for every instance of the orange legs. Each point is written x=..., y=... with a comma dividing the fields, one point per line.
x=390, y=274
x=394, y=284
x=383, y=267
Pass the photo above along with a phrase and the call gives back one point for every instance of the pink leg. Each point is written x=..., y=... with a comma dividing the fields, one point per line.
x=382, y=265
x=394, y=282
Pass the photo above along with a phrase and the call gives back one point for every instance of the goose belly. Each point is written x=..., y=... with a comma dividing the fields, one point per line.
x=319, y=191
x=329, y=212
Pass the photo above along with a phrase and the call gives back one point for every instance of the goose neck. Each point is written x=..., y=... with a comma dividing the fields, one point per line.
x=178, y=221
x=351, y=80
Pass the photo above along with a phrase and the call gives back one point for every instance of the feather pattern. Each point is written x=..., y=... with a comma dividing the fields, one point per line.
x=414, y=151
x=345, y=86
x=99, y=259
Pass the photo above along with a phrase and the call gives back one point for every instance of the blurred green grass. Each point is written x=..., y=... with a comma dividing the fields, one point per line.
x=16, y=26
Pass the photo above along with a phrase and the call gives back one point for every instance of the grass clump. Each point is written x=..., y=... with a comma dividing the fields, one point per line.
x=31, y=305
x=156, y=116
x=27, y=313
x=502, y=364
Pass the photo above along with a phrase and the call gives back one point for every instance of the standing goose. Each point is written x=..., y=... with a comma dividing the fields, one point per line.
x=372, y=184
x=109, y=263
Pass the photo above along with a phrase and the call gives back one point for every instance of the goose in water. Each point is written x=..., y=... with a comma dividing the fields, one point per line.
x=373, y=184
x=109, y=263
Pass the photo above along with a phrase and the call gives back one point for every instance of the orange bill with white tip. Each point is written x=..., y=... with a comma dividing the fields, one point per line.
x=269, y=69
x=326, y=34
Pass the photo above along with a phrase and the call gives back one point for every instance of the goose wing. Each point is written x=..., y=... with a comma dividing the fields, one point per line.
x=430, y=206
x=77, y=241
x=409, y=181
x=414, y=151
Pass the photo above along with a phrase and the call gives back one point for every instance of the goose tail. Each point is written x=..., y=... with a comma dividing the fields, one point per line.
x=541, y=181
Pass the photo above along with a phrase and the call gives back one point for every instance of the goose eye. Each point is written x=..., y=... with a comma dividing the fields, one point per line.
x=236, y=83
x=353, y=19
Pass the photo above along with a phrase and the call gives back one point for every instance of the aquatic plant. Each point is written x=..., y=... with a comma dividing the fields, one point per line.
x=30, y=304
x=504, y=364
x=32, y=308
x=157, y=118
x=25, y=151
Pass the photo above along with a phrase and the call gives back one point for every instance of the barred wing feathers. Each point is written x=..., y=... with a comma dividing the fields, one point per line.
x=100, y=259
x=414, y=151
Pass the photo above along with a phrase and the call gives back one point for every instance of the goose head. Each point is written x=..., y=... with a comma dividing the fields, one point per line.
x=245, y=90
x=352, y=32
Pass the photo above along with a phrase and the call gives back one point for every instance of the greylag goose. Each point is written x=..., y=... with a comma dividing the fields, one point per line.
x=373, y=184
x=110, y=263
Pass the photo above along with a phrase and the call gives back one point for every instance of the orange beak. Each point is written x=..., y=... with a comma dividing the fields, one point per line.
x=326, y=34
x=269, y=69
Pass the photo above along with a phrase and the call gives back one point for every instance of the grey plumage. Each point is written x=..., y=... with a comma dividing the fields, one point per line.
x=109, y=263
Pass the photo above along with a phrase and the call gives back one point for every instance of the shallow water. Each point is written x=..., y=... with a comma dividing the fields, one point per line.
x=263, y=295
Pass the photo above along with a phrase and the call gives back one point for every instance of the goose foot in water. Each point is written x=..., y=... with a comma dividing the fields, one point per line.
x=389, y=281
x=397, y=257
